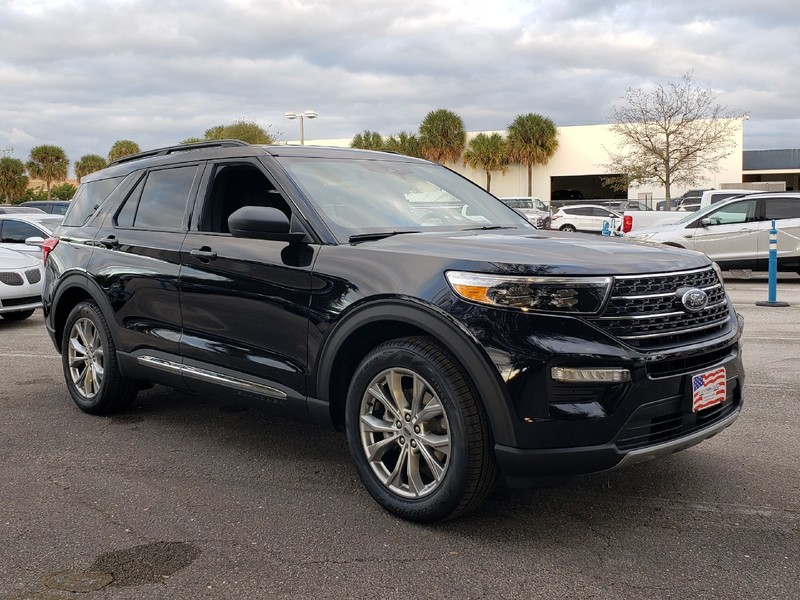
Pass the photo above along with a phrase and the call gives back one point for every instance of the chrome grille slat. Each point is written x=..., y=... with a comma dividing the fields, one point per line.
x=645, y=311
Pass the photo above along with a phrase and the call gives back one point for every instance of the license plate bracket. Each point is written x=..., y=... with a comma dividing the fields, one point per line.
x=709, y=389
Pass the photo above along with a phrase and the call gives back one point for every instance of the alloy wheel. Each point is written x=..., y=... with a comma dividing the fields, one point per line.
x=405, y=434
x=86, y=357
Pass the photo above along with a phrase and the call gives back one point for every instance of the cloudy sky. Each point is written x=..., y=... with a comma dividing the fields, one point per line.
x=83, y=73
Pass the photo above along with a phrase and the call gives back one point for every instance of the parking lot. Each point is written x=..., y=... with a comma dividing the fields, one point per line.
x=190, y=497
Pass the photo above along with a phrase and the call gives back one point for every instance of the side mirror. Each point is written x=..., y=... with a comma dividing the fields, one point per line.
x=35, y=241
x=705, y=222
x=263, y=223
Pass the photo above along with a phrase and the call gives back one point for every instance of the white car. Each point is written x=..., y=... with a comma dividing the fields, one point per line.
x=735, y=232
x=531, y=207
x=25, y=232
x=585, y=217
x=21, y=278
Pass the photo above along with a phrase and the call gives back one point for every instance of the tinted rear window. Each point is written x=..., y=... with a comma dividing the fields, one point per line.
x=88, y=199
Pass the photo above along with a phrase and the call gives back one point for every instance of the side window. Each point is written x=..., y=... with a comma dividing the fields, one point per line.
x=782, y=208
x=159, y=201
x=232, y=187
x=584, y=211
x=16, y=232
x=88, y=199
x=732, y=214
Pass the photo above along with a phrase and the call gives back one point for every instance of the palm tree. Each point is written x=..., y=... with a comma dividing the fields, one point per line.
x=121, y=149
x=367, y=140
x=488, y=152
x=532, y=140
x=48, y=163
x=442, y=136
x=89, y=163
x=404, y=143
x=13, y=181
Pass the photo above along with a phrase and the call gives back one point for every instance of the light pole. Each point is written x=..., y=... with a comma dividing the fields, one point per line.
x=306, y=114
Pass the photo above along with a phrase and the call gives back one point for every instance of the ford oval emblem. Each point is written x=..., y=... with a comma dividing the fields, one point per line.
x=693, y=299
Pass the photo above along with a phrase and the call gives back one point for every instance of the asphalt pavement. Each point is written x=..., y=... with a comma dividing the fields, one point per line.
x=191, y=497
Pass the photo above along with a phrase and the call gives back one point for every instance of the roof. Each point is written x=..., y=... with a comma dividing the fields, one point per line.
x=231, y=149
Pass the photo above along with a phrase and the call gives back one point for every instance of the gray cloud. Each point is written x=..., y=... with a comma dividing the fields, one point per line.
x=84, y=73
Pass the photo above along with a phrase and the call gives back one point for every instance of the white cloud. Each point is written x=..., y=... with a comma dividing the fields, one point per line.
x=84, y=73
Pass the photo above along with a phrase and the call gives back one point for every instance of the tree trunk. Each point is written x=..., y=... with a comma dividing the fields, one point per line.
x=488, y=181
x=530, y=180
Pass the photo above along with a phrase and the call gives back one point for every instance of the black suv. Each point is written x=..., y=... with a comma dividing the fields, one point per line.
x=392, y=298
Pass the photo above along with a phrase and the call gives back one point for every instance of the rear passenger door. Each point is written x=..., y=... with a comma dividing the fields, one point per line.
x=136, y=260
x=786, y=212
x=244, y=301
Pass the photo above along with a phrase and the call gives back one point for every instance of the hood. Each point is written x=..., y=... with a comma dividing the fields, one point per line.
x=653, y=229
x=11, y=259
x=542, y=252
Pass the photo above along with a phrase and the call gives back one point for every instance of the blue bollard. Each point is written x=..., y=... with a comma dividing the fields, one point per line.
x=606, y=228
x=773, y=270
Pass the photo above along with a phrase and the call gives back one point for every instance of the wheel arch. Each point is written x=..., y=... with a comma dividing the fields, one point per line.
x=355, y=335
x=72, y=290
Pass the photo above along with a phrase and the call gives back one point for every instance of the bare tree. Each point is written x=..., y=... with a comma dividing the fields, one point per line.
x=670, y=135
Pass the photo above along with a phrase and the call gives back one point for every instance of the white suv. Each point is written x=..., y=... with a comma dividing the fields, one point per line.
x=585, y=217
x=735, y=232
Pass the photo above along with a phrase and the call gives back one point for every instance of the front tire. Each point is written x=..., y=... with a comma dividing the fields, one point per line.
x=418, y=436
x=568, y=228
x=89, y=360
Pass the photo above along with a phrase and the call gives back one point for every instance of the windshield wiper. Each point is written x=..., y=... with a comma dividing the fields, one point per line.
x=376, y=235
x=486, y=227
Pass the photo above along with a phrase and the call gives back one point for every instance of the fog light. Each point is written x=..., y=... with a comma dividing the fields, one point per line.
x=573, y=375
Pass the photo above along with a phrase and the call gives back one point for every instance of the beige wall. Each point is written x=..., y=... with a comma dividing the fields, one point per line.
x=581, y=151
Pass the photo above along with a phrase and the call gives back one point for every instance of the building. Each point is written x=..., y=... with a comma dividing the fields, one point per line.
x=577, y=166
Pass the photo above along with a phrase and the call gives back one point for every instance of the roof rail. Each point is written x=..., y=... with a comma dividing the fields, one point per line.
x=179, y=148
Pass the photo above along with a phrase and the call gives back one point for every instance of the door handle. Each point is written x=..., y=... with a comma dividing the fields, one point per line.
x=204, y=254
x=109, y=242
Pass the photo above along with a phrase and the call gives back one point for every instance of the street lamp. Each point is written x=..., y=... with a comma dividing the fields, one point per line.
x=306, y=114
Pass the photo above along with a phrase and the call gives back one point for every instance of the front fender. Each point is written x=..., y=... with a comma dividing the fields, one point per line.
x=418, y=316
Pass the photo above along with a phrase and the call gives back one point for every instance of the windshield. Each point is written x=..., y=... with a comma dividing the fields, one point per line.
x=357, y=197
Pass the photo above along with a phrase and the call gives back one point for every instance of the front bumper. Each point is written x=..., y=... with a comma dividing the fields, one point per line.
x=526, y=467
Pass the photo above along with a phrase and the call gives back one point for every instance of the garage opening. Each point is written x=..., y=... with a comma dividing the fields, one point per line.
x=571, y=189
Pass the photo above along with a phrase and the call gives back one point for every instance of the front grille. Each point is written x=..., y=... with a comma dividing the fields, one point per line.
x=645, y=311
x=665, y=421
x=696, y=362
x=33, y=276
x=11, y=278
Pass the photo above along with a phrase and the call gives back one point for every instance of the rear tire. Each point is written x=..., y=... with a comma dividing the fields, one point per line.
x=17, y=315
x=418, y=436
x=89, y=360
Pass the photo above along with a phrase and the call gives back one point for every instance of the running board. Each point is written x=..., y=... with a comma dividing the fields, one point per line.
x=211, y=376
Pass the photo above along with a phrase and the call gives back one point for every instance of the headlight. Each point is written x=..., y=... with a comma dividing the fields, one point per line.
x=718, y=271
x=568, y=295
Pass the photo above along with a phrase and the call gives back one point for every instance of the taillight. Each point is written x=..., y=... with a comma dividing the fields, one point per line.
x=627, y=223
x=48, y=246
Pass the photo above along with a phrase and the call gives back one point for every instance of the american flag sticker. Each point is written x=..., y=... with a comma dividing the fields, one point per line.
x=708, y=389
